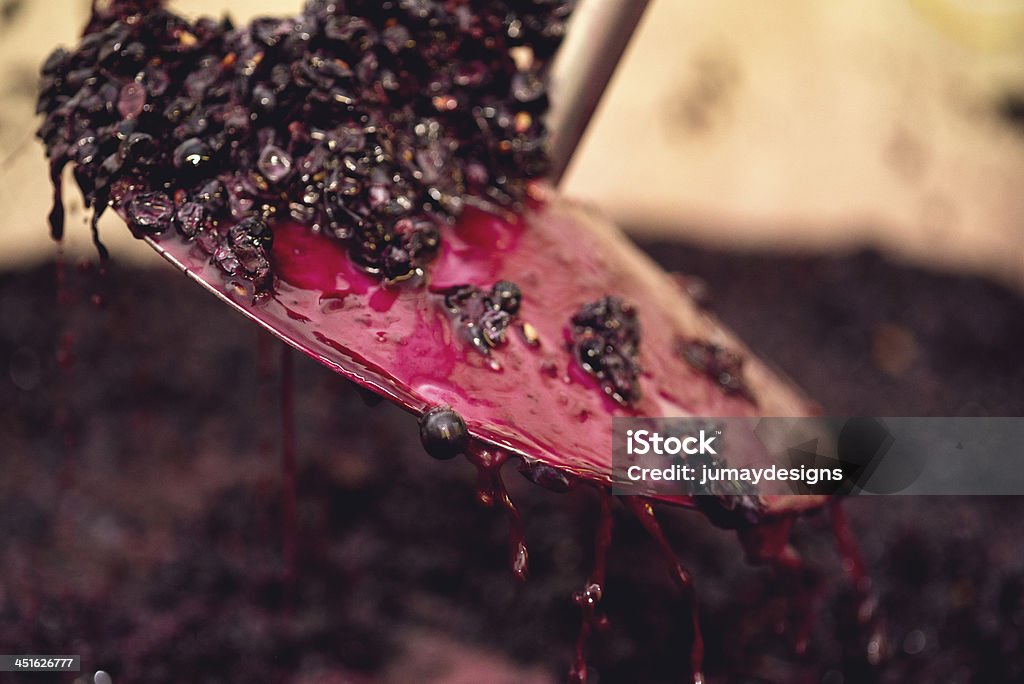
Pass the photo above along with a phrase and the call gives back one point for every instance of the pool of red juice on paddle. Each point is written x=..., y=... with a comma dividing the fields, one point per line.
x=528, y=395
x=403, y=331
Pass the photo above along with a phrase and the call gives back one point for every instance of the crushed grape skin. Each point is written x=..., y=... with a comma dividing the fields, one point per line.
x=719, y=364
x=728, y=504
x=368, y=121
x=482, y=318
x=605, y=340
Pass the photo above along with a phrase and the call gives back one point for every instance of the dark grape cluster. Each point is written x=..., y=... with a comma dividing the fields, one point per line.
x=370, y=121
x=719, y=364
x=483, y=317
x=605, y=340
x=727, y=503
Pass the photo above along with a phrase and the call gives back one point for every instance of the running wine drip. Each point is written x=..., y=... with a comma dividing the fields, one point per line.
x=289, y=521
x=589, y=599
x=643, y=511
x=491, y=491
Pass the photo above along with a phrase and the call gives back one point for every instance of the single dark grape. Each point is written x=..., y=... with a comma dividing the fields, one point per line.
x=443, y=433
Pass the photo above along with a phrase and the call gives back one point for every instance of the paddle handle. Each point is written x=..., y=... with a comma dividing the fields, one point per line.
x=596, y=37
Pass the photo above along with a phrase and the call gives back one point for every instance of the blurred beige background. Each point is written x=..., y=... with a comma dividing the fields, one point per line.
x=792, y=125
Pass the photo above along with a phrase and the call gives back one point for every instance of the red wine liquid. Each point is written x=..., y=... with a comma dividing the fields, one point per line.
x=289, y=519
